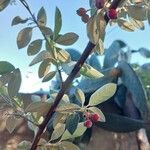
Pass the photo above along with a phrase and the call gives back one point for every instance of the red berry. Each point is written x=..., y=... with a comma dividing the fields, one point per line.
x=81, y=11
x=86, y=115
x=88, y=123
x=112, y=14
x=95, y=117
x=85, y=18
x=99, y=4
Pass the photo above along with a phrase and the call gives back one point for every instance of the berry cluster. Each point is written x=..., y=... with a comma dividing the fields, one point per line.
x=82, y=13
x=90, y=118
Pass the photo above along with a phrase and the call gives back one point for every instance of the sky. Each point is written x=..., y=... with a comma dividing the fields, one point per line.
x=71, y=23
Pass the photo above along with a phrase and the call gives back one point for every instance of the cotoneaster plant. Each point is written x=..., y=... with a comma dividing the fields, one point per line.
x=67, y=119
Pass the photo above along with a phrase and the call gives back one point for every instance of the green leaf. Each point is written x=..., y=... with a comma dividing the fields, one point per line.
x=6, y=67
x=44, y=68
x=49, y=76
x=80, y=96
x=90, y=72
x=58, y=131
x=11, y=123
x=59, y=118
x=63, y=56
x=24, y=37
x=41, y=17
x=40, y=107
x=72, y=122
x=14, y=83
x=24, y=145
x=18, y=20
x=67, y=39
x=46, y=31
x=34, y=47
x=4, y=79
x=102, y=94
x=58, y=22
x=68, y=107
x=4, y=4
x=99, y=112
x=92, y=32
x=125, y=25
x=117, y=123
x=78, y=132
x=41, y=57
x=69, y=145
x=134, y=85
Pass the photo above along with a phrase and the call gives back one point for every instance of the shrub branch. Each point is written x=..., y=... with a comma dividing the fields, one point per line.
x=70, y=78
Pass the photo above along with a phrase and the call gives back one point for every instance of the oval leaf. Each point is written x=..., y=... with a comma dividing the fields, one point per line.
x=11, y=123
x=24, y=145
x=58, y=131
x=14, y=83
x=80, y=96
x=117, y=123
x=41, y=57
x=90, y=72
x=49, y=76
x=40, y=107
x=63, y=56
x=58, y=23
x=4, y=4
x=92, y=32
x=68, y=108
x=34, y=47
x=44, y=68
x=69, y=146
x=67, y=39
x=102, y=94
x=24, y=37
x=41, y=17
x=18, y=20
x=6, y=67
x=78, y=132
x=137, y=12
x=72, y=122
x=125, y=25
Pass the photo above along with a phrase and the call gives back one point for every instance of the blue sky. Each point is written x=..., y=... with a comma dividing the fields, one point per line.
x=71, y=22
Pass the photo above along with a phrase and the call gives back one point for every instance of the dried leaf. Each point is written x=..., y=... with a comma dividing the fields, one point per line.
x=34, y=47
x=41, y=17
x=4, y=4
x=67, y=39
x=24, y=37
x=58, y=23
x=49, y=76
x=125, y=25
x=137, y=12
x=44, y=68
x=92, y=30
x=41, y=57
x=18, y=20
